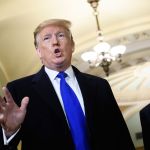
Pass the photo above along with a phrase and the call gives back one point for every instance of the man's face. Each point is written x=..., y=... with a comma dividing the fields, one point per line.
x=55, y=47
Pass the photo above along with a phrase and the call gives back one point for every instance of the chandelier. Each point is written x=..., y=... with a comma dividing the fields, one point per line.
x=102, y=54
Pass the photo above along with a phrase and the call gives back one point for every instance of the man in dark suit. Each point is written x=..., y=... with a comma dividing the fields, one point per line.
x=145, y=123
x=33, y=111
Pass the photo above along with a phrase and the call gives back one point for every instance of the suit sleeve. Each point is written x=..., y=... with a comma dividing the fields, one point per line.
x=117, y=129
x=11, y=146
x=145, y=124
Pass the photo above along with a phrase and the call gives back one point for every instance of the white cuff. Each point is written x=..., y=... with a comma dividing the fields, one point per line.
x=6, y=141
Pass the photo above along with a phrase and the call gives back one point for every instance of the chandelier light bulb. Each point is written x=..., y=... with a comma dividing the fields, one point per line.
x=89, y=56
x=102, y=47
x=119, y=49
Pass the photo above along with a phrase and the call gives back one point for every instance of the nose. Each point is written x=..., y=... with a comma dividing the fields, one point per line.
x=54, y=40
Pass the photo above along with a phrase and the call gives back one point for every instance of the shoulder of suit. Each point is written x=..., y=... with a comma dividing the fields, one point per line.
x=26, y=79
x=86, y=75
x=145, y=109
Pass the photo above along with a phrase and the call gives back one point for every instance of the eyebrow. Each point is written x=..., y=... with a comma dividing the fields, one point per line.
x=49, y=34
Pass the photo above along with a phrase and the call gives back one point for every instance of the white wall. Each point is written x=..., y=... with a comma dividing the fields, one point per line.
x=134, y=126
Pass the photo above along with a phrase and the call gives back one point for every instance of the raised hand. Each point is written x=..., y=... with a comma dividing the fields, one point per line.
x=11, y=116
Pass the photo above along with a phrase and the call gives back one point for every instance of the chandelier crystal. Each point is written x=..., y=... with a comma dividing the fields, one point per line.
x=102, y=54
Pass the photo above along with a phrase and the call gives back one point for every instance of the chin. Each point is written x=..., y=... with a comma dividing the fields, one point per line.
x=59, y=64
x=59, y=61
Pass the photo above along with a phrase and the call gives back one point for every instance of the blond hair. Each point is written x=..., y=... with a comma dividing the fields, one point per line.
x=56, y=22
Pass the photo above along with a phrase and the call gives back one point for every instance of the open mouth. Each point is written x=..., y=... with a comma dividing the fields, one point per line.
x=57, y=52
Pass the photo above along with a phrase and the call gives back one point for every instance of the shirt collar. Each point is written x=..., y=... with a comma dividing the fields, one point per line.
x=52, y=73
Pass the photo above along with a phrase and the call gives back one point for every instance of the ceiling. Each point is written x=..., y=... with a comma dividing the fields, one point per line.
x=122, y=21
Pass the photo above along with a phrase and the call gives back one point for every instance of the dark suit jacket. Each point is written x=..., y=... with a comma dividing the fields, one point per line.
x=145, y=123
x=45, y=125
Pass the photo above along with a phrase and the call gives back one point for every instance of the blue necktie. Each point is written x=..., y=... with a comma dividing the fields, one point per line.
x=74, y=113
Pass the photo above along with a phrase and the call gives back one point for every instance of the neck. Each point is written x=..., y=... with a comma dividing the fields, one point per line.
x=59, y=68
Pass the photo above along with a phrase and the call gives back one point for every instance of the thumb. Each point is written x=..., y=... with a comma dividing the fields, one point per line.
x=24, y=103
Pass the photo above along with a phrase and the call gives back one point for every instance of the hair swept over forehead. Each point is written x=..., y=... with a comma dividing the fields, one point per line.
x=56, y=22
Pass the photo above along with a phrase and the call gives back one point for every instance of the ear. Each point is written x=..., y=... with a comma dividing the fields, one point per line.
x=38, y=52
x=73, y=46
x=73, y=49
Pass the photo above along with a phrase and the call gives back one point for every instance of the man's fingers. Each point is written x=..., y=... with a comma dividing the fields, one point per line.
x=24, y=103
x=1, y=116
x=2, y=109
x=2, y=101
x=8, y=96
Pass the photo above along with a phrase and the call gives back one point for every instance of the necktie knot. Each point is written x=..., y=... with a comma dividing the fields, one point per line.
x=62, y=75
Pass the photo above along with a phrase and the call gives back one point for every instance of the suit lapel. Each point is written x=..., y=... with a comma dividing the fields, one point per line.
x=45, y=90
x=86, y=87
x=87, y=93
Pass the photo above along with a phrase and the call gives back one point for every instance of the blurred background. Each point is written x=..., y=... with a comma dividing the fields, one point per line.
x=122, y=22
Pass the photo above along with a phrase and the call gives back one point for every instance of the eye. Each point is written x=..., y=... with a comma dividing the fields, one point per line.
x=61, y=35
x=46, y=38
